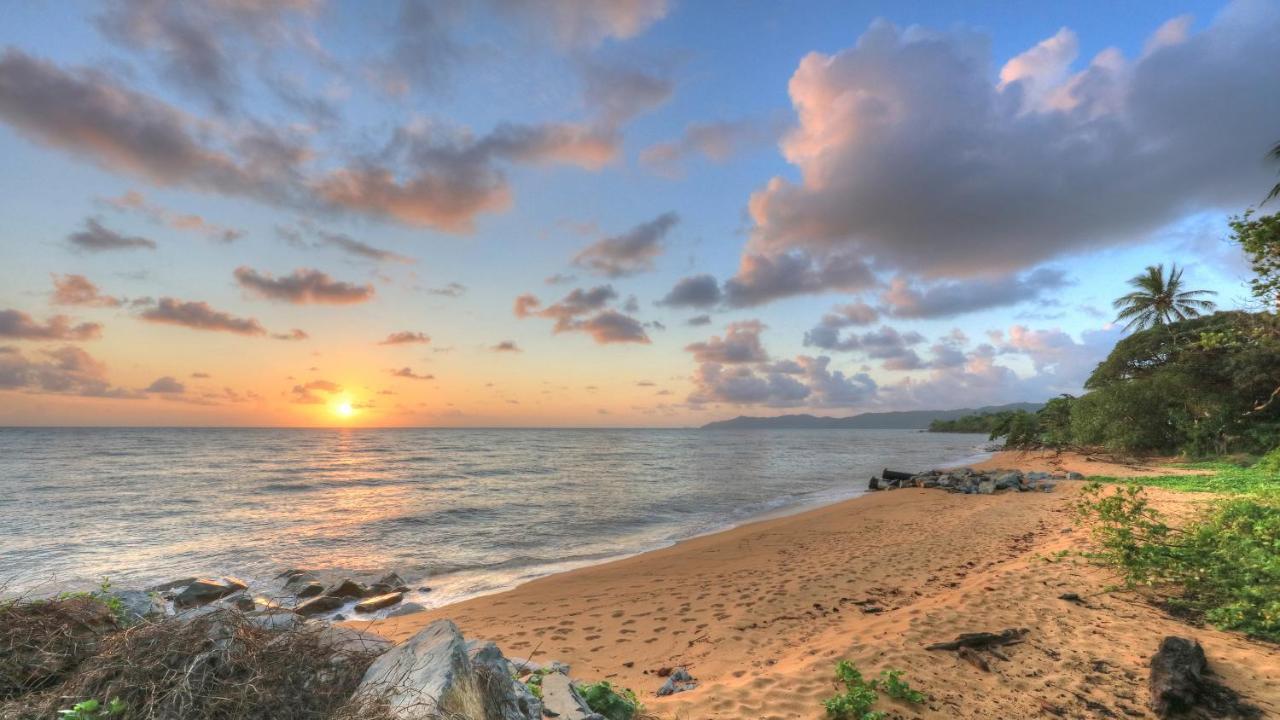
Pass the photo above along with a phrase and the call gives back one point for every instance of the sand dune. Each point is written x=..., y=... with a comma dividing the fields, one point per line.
x=761, y=613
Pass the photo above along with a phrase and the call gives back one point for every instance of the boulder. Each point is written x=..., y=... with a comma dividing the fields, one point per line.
x=275, y=619
x=431, y=675
x=986, y=487
x=677, y=682
x=296, y=580
x=1073, y=475
x=407, y=609
x=311, y=589
x=136, y=605
x=874, y=484
x=349, y=641
x=379, y=602
x=171, y=585
x=559, y=697
x=1008, y=480
x=205, y=590
x=347, y=588
x=318, y=605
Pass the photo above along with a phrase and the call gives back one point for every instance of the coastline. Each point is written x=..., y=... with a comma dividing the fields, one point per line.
x=760, y=613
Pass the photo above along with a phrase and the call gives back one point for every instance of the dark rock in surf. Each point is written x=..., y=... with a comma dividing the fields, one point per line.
x=318, y=605
x=207, y=590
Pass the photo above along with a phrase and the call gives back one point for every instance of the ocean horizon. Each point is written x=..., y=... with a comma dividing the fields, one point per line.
x=464, y=511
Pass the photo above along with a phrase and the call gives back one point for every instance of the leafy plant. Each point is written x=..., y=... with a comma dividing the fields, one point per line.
x=1158, y=299
x=860, y=694
x=1223, y=566
x=93, y=710
x=615, y=703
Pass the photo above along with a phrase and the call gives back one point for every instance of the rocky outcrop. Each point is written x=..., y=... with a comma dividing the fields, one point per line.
x=318, y=605
x=379, y=602
x=432, y=674
x=205, y=590
x=969, y=481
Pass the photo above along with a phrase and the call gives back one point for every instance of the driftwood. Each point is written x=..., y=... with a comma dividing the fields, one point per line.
x=895, y=475
x=1181, y=687
x=981, y=640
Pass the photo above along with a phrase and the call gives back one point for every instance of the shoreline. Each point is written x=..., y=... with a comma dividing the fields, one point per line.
x=760, y=613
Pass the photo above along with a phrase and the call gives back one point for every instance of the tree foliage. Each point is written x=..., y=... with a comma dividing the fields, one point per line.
x=1259, y=237
x=1158, y=299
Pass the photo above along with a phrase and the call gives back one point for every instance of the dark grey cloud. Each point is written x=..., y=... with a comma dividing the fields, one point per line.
x=506, y=346
x=740, y=344
x=134, y=201
x=424, y=50
x=303, y=286
x=698, y=320
x=695, y=291
x=97, y=238
x=17, y=325
x=200, y=316
x=310, y=393
x=294, y=335
x=611, y=326
x=66, y=370
x=571, y=315
x=406, y=337
x=629, y=253
x=826, y=334
x=79, y=290
x=958, y=297
x=952, y=174
x=351, y=246
x=616, y=93
x=166, y=385
x=803, y=382
x=453, y=290
x=765, y=278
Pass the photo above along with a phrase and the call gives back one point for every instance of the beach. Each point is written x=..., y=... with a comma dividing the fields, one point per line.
x=761, y=613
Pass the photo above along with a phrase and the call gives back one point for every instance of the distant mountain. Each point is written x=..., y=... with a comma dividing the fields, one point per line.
x=908, y=420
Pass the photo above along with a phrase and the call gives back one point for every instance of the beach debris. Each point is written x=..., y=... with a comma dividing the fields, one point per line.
x=206, y=590
x=432, y=673
x=1181, y=685
x=1072, y=598
x=677, y=682
x=982, y=640
x=378, y=602
x=560, y=699
x=969, y=481
x=971, y=656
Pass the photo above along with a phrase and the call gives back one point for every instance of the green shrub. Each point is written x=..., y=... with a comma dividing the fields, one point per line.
x=860, y=694
x=1223, y=566
x=93, y=710
x=615, y=703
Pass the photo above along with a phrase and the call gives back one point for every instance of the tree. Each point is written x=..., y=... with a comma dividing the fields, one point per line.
x=1260, y=240
x=1275, y=191
x=1160, y=300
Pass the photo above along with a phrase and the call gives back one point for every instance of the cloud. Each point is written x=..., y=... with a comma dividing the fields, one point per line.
x=574, y=24
x=631, y=252
x=506, y=346
x=78, y=290
x=958, y=297
x=302, y=287
x=453, y=290
x=764, y=278
x=135, y=201
x=911, y=157
x=698, y=320
x=605, y=326
x=351, y=246
x=716, y=141
x=66, y=370
x=884, y=344
x=406, y=337
x=308, y=393
x=199, y=316
x=423, y=48
x=90, y=115
x=826, y=334
x=293, y=335
x=166, y=385
x=97, y=238
x=805, y=381
x=405, y=372
x=17, y=325
x=616, y=93
x=695, y=291
x=740, y=344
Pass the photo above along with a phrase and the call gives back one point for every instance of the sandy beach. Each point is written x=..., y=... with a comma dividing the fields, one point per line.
x=760, y=614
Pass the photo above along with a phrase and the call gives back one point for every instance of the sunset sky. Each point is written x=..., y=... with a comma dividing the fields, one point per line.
x=631, y=213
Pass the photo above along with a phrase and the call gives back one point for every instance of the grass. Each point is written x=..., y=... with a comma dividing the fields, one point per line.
x=858, y=695
x=1223, y=477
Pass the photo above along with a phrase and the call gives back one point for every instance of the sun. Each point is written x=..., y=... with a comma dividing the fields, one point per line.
x=344, y=409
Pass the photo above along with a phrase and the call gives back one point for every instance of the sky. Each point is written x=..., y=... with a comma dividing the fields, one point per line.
x=628, y=213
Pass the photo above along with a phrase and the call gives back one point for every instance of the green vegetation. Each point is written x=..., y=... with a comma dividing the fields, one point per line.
x=1222, y=566
x=860, y=694
x=976, y=423
x=615, y=703
x=93, y=710
x=1158, y=299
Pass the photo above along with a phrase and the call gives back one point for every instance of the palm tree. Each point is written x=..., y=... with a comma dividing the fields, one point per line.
x=1274, y=155
x=1160, y=300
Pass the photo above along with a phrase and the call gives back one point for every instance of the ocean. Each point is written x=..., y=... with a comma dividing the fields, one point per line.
x=465, y=512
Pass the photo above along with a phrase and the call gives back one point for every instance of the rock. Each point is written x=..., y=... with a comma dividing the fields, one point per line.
x=874, y=483
x=1046, y=487
x=349, y=641
x=375, y=604
x=205, y=590
x=311, y=589
x=1037, y=475
x=678, y=681
x=171, y=585
x=407, y=609
x=431, y=674
x=1007, y=480
x=240, y=602
x=559, y=697
x=1073, y=475
x=299, y=579
x=1181, y=685
x=317, y=605
x=391, y=582
x=986, y=487
x=136, y=605
x=348, y=588
x=275, y=619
